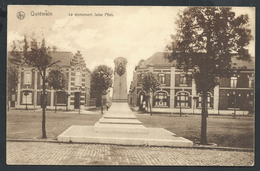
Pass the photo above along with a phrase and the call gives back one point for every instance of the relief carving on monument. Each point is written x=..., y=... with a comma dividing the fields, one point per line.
x=120, y=69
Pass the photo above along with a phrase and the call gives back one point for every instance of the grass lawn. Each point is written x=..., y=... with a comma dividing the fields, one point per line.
x=28, y=124
x=222, y=130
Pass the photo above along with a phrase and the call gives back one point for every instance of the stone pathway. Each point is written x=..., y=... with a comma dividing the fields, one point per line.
x=46, y=153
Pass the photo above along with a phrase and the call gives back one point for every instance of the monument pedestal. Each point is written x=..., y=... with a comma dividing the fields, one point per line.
x=120, y=119
x=120, y=125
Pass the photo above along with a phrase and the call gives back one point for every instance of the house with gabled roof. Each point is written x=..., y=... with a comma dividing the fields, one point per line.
x=75, y=95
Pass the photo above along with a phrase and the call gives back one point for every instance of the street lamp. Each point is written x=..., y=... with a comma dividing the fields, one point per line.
x=67, y=96
x=180, y=102
x=26, y=93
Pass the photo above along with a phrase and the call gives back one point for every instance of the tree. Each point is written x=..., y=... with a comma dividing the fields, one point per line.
x=150, y=84
x=205, y=40
x=56, y=80
x=101, y=81
x=14, y=61
x=37, y=55
x=12, y=81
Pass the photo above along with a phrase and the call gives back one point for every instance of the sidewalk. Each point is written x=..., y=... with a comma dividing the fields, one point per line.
x=44, y=153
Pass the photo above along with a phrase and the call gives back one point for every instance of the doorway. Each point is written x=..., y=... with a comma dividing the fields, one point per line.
x=76, y=100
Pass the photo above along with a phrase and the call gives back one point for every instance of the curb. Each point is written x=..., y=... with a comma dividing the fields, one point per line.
x=32, y=140
x=206, y=147
x=224, y=148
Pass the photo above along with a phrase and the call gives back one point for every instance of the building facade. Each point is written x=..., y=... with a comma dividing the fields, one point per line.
x=177, y=93
x=75, y=95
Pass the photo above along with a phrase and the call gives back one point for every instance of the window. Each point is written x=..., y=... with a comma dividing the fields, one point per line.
x=183, y=99
x=251, y=82
x=78, y=79
x=209, y=101
x=61, y=98
x=233, y=82
x=161, y=99
x=161, y=78
x=27, y=99
x=27, y=78
x=183, y=80
x=141, y=78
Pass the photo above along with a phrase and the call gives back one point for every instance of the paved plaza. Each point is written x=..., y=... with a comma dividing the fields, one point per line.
x=46, y=153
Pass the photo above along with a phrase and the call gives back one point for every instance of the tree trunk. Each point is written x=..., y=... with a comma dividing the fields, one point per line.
x=205, y=92
x=56, y=102
x=149, y=98
x=101, y=104
x=67, y=103
x=204, y=119
x=180, y=108
x=43, y=108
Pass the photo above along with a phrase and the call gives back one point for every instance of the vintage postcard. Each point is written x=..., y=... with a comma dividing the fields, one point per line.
x=130, y=85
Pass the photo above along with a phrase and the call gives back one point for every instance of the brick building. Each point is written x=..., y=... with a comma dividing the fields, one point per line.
x=178, y=90
x=76, y=90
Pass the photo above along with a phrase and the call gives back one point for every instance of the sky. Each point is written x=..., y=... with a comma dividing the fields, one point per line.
x=135, y=32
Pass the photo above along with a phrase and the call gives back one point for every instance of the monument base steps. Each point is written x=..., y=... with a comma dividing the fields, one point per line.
x=123, y=128
x=120, y=121
x=120, y=125
x=154, y=137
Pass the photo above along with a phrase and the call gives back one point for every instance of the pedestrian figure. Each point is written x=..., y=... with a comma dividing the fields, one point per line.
x=107, y=105
x=144, y=105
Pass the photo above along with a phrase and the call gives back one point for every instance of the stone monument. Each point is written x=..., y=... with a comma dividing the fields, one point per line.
x=119, y=117
x=120, y=80
x=119, y=125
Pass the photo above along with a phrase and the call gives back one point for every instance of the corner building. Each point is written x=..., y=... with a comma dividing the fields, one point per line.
x=178, y=89
x=77, y=88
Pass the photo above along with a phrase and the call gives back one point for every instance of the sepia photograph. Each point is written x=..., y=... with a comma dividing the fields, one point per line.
x=130, y=85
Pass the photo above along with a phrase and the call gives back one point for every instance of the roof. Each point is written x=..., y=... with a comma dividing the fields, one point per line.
x=239, y=64
x=159, y=59
x=64, y=57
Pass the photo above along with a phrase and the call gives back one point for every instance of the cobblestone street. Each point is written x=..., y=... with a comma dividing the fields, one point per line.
x=46, y=153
